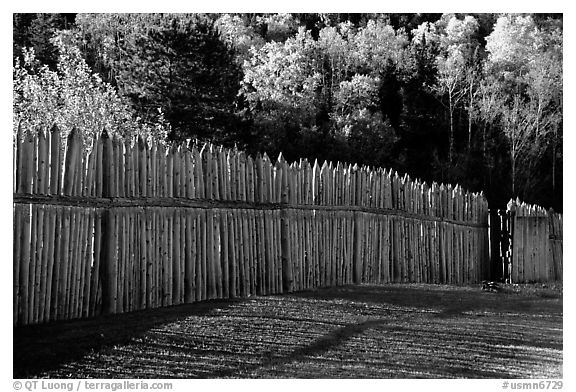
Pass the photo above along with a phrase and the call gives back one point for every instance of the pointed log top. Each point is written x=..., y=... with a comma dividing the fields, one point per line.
x=74, y=133
x=19, y=131
x=103, y=135
x=281, y=158
x=316, y=165
x=54, y=128
x=141, y=142
x=265, y=156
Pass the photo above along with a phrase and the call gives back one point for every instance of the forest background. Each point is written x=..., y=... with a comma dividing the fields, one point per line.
x=474, y=99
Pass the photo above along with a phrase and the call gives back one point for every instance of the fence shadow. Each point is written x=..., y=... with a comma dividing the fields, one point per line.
x=339, y=337
x=40, y=348
x=446, y=300
x=448, y=306
x=382, y=331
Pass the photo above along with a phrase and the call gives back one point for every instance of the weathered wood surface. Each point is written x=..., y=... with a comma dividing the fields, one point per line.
x=536, y=243
x=111, y=225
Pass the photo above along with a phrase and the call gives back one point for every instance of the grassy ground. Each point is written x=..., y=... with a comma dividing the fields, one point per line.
x=367, y=331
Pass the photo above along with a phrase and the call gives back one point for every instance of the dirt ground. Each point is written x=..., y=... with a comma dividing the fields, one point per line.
x=367, y=331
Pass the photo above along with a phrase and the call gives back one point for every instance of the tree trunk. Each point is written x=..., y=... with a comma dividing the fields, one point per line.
x=554, y=168
x=484, y=157
x=513, y=176
x=470, y=118
x=451, y=141
x=484, y=127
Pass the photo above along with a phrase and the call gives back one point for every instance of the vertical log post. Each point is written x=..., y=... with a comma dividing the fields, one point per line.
x=107, y=259
x=356, y=244
x=287, y=273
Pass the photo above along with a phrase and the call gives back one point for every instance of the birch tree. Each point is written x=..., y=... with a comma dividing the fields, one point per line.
x=457, y=78
x=525, y=63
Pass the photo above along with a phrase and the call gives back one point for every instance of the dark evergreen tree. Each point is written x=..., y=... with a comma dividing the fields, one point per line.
x=183, y=68
x=37, y=31
x=390, y=98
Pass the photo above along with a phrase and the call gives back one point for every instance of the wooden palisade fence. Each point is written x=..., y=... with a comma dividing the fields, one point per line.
x=128, y=225
x=536, y=249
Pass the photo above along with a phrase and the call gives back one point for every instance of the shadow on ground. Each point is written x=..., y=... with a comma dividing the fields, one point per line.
x=366, y=331
x=449, y=300
x=39, y=348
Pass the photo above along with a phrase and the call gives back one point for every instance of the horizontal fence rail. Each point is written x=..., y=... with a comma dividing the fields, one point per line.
x=111, y=225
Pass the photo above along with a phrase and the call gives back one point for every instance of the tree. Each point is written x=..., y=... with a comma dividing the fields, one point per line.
x=282, y=78
x=355, y=99
x=71, y=97
x=175, y=62
x=455, y=63
x=377, y=44
x=329, y=86
x=526, y=64
x=36, y=31
x=239, y=34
